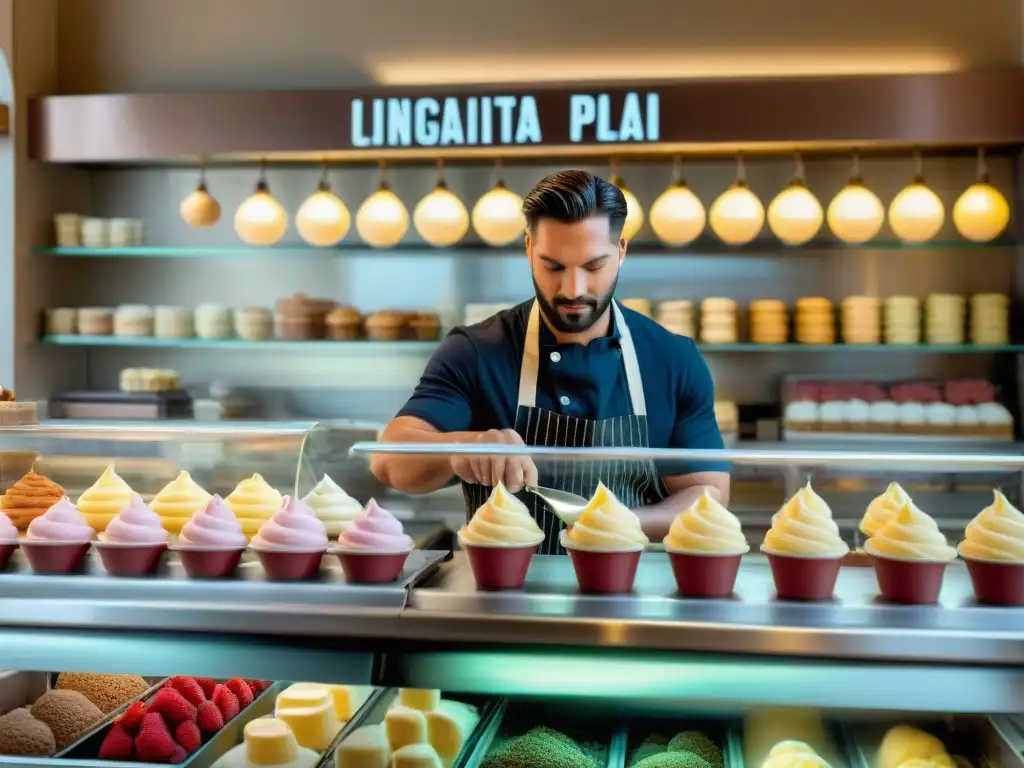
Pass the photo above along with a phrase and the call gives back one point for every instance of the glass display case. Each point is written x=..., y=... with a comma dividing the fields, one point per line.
x=611, y=679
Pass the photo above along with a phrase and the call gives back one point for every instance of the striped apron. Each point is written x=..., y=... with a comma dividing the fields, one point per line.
x=635, y=483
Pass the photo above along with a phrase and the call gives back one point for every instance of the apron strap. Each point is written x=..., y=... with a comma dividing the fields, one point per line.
x=529, y=370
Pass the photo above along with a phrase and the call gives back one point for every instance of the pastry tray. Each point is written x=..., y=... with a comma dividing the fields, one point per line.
x=517, y=717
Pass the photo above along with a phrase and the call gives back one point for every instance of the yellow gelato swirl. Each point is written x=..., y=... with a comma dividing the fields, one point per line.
x=502, y=520
x=883, y=508
x=706, y=526
x=911, y=535
x=997, y=533
x=606, y=523
x=804, y=527
x=178, y=501
x=254, y=501
x=101, y=502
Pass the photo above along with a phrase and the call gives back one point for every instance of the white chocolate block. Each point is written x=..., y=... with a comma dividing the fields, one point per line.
x=366, y=747
x=423, y=699
x=449, y=726
x=416, y=756
x=404, y=726
x=308, y=709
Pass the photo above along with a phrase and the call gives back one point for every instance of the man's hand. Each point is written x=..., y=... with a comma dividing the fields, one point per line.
x=514, y=471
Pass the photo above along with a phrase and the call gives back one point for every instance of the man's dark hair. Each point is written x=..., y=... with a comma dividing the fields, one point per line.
x=571, y=196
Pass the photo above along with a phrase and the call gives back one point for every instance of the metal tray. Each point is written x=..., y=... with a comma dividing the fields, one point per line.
x=979, y=739
x=19, y=689
x=85, y=752
x=725, y=733
x=517, y=717
x=376, y=707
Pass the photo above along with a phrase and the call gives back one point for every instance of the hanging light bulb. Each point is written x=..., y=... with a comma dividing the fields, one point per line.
x=981, y=213
x=498, y=215
x=795, y=215
x=440, y=218
x=323, y=220
x=261, y=220
x=856, y=214
x=737, y=216
x=200, y=209
x=916, y=213
x=382, y=219
x=677, y=216
x=634, y=211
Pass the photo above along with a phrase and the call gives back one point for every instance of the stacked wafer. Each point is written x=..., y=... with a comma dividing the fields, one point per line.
x=643, y=306
x=944, y=316
x=815, y=321
x=902, y=320
x=990, y=318
x=677, y=317
x=769, y=321
x=718, y=323
x=861, y=320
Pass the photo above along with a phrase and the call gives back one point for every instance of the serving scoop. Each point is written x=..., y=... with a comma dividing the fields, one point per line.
x=567, y=506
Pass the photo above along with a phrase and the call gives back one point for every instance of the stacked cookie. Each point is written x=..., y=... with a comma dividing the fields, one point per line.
x=990, y=318
x=902, y=320
x=815, y=321
x=643, y=306
x=718, y=323
x=861, y=322
x=944, y=318
x=677, y=317
x=769, y=321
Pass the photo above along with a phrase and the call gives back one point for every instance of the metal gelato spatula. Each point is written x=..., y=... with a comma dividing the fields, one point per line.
x=564, y=504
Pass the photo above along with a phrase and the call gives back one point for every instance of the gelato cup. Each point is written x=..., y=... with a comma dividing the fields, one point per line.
x=362, y=567
x=211, y=542
x=283, y=564
x=993, y=549
x=374, y=547
x=901, y=580
x=995, y=582
x=804, y=577
x=134, y=542
x=704, y=574
x=291, y=544
x=603, y=570
x=58, y=540
x=8, y=539
x=6, y=550
x=499, y=566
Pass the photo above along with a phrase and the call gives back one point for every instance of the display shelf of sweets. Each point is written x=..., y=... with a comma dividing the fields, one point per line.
x=183, y=721
x=412, y=727
x=963, y=741
x=964, y=411
x=47, y=717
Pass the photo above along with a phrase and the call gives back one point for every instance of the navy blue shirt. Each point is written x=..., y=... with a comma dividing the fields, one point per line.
x=472, y=382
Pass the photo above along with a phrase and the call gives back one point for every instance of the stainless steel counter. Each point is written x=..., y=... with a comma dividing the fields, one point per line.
x=856, y=625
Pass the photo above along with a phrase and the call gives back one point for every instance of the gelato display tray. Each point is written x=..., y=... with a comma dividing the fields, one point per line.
x=247, y=603
x=857, y=624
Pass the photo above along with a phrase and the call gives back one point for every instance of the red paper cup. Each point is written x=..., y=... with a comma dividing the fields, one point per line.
x=371, y=567
x=917, y=582
x=997, y=582
x=604, y=572
x=130, y=559
x=704, y=574
x=6, y=550
x=804, y=578
x=55, y=556
x=209, y=562
x=497, y=568
x=288, y=564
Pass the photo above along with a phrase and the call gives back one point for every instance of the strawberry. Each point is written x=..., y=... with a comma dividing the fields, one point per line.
x=207, y=685
x=131, y=718
x=189, y=688
x=154, y=743
x=226, y=702
x=258, y=686
x=241, y=689
x=172, y=705
x=188, y=736
x=178, y=756
x=210, y=719
x=117, y=745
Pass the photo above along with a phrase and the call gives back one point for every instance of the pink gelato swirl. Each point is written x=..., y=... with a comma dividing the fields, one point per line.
x=8, y=533
x=214, y=526
x=375, y=530
x=61, y=522
x=295, y=526
x=135, y=524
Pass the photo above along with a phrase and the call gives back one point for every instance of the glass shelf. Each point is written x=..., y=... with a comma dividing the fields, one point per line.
x=705, y=245
x=427, y=346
